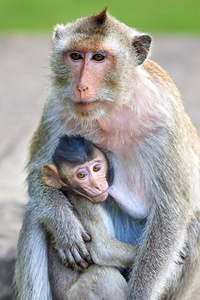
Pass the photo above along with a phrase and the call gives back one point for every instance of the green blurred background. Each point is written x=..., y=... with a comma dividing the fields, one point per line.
x=159, y=16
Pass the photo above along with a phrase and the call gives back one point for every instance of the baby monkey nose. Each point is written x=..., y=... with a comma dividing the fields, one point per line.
x=98, y=188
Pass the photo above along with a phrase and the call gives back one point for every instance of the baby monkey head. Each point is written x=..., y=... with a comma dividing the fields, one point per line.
x=79, y=167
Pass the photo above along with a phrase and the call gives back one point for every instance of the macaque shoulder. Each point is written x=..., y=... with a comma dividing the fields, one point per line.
x=159, y=76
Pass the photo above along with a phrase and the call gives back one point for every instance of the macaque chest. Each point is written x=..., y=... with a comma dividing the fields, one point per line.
x=127, y=189
x=128, y=186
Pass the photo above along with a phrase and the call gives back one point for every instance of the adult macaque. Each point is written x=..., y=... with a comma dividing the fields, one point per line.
x=83, y=172
x=105, y=89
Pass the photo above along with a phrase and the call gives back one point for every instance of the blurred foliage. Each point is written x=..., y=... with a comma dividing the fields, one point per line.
x=178, y=16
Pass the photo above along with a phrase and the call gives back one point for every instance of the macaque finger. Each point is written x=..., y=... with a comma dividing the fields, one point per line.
x=74, y=261
x=70, y=259
x=183, y=255
x=84, y=253
x=62, y=256
x=85, y=236
x=78, y=259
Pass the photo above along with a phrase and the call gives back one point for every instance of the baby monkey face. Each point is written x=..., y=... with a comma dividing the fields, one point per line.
x=90, y=177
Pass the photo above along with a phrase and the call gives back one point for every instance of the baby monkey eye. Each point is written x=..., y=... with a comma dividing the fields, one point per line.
x=96, y=168
x=75, y=56
x=81, y=175
x=98, y=57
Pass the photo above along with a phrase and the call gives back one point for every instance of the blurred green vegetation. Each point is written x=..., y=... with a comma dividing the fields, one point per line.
x=169, y=16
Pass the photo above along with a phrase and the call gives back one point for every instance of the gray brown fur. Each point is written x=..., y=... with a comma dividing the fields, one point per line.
x=159, y=147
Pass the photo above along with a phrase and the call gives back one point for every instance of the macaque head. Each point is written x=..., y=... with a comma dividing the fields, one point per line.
x=79, y=167
x=94, y=62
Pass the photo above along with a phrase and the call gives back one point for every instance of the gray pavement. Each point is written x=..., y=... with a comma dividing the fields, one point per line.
x=23, y=89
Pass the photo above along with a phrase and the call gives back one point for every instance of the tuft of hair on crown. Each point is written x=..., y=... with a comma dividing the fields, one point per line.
x=101, y=17
x=75, y=150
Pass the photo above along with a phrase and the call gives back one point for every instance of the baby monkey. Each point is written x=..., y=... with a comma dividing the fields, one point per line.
x=80, y=168
x=84, y=172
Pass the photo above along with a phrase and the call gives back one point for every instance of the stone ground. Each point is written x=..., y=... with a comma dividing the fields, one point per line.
x=23, y=89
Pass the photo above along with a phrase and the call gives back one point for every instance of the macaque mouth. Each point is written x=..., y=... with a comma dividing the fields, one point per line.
x=87, y=106
x=103, y=193
x=100, y=198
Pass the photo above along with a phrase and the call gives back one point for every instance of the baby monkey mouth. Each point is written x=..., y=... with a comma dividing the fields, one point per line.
x=100, y=198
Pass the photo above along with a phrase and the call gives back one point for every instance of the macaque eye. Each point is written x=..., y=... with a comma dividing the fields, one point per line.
x=96, y=168
x=76, y=56
x=81, y=175
x=98, y=57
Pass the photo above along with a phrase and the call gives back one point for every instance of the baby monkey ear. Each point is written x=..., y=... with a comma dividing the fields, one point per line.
x=51, y=177
x=141, y=45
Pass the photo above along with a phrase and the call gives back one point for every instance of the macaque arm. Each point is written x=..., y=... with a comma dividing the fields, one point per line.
x=104, y=249
x=166, y=227
x=108, y=251
x=157, y=256
x=56, y=213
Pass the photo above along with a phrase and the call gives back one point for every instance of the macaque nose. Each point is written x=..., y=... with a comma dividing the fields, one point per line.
x=83, y=83
x=98, y=188
x=82, y=88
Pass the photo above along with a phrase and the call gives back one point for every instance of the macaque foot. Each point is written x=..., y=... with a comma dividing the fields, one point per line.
x=99, y=283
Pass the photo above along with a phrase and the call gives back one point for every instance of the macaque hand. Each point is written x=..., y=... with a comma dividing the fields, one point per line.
x=184, y=253
x=72, y=250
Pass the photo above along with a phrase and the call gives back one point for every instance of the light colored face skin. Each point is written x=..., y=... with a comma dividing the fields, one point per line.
x=88, y=69
x=90, y=177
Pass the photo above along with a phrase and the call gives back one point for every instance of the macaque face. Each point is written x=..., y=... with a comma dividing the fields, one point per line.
x=92, y=85
x=89, y=178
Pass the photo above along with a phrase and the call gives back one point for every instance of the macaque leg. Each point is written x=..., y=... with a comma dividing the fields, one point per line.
x=103, y=247
x=95, y=283
x=98, y=283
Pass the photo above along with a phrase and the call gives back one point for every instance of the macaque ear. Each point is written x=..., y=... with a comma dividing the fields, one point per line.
x=141, y=45
x=51, y=177
x=58, y=32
